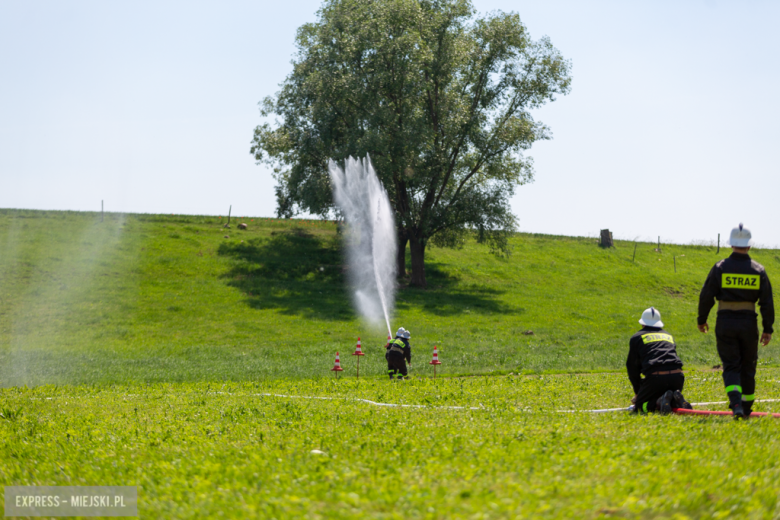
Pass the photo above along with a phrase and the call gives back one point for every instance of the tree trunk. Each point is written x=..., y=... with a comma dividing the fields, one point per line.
x=401, y=254
x=417, y=248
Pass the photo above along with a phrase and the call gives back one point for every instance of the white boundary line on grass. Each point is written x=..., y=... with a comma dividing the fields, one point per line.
x=391, y=405
x=397, y=405
x=357, y=399
x=604, y=410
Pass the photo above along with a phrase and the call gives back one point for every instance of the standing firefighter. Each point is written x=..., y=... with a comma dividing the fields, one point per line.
x=399, y=352
x=738, y=282
x=652, y=352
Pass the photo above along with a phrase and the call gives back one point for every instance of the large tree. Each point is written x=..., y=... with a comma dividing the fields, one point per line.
x=438, y=98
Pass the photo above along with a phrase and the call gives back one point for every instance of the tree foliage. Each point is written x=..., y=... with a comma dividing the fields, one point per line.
x=438, y=97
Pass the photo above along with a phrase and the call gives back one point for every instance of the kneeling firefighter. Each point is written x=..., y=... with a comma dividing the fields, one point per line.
x=652, y=352
x=399, y=352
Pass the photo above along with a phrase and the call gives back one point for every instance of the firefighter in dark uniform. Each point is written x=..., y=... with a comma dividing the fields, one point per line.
x=738, y=282
x=399, y=352
x=652, y=352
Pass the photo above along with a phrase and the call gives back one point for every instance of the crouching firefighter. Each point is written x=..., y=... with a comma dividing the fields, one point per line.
x=738, y=283
x=399, y=352
x=652, y=352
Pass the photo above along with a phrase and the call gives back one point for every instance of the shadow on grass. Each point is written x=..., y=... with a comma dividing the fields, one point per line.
x=295, y=272
x=445, y=296
x=302, y=274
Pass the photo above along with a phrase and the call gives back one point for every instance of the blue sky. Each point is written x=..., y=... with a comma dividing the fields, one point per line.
x=670, y=129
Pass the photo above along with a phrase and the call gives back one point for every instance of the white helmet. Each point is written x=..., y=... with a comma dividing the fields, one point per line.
x=400, y=333
x=741, y=237
x=651, y=318
x=407, y=334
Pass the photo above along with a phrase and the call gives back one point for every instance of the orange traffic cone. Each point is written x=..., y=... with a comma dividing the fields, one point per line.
x=337, y=367
x=435, y=361
x=358, y=352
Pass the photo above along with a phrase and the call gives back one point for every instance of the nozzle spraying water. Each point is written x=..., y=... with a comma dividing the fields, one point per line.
x=370, y=238
x=375, y=254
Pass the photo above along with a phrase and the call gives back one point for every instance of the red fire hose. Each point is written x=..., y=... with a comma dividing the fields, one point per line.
x=683, y=411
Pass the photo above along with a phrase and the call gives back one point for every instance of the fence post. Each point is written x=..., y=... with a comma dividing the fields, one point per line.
x=606, y=239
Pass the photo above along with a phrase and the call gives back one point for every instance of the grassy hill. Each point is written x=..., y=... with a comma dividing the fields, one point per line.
x=181, y=298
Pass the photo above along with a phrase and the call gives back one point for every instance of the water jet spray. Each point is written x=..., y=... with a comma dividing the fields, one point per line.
x=370, y=238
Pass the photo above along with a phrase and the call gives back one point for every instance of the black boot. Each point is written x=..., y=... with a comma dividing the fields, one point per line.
x=680, y=402
x=664, y=403
x=747, y=409
x=735, y=403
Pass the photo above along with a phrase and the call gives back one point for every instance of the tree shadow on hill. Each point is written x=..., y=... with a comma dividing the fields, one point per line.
x=302, y=274
x=447, y=296
x=295, y=272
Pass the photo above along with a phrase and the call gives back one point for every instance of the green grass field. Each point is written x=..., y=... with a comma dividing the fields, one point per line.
x=135, y=351
x=206, y=450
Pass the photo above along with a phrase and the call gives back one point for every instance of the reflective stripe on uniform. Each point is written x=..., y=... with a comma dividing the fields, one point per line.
x=654, y=336
x=741, y=281
x=751, y=397
x=644, y=407
x=734, y=388
x=397, y=346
